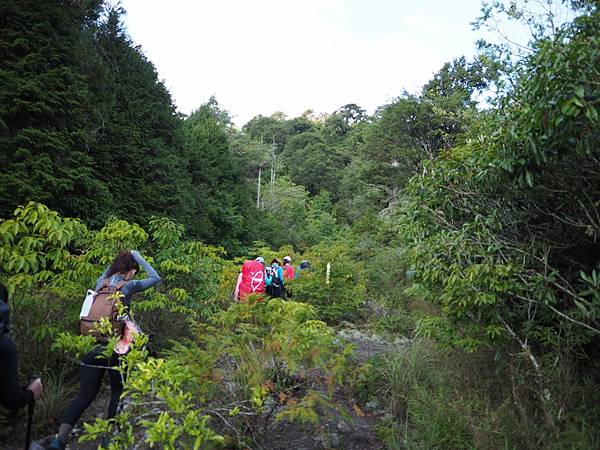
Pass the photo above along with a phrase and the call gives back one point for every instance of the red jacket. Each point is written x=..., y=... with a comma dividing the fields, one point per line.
x=288, y=272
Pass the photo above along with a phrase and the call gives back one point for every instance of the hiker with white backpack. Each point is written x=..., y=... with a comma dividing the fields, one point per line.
x=101, y=303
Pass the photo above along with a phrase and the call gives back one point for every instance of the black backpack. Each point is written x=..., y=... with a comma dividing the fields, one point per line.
x=4, y=318
x=275, y=289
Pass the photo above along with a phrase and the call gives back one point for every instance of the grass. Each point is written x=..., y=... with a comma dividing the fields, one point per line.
x=446, y=399
x=56, y=395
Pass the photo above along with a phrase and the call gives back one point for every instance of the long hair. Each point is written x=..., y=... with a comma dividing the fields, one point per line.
x=123, y=263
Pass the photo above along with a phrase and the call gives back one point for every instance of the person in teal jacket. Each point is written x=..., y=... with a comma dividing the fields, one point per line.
x=275, y=279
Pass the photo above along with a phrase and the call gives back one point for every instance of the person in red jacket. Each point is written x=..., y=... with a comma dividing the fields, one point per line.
x=288, y=269
x=288, y=274
x=251, y=280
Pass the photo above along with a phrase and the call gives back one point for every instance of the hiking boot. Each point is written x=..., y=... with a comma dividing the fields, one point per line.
x=104, y=441
x=55, y=444
x=50, y=442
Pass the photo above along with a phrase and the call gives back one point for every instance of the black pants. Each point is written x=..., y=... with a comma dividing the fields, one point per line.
x=89, y=384
x=12, y=395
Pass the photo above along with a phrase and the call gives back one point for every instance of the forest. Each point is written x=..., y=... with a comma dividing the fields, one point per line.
x=453, y=296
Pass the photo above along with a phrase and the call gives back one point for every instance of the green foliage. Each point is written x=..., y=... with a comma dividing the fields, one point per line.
x=237, y=370
x=413, y=128
x=287, y=203
x=44, y=98
x=313, y=163
x=35, y=245
x=484, y=252
x=411, y=387
x=343, y=297
x=500, y=231
x=89, y=129
x=221, y=202
x=139, y=156
x=300, y=220
x=268, y=129
x=58, y=389
x=320, y=223
x=48, y=262
x=493, y=214
x=241, y=361
x=436, y=398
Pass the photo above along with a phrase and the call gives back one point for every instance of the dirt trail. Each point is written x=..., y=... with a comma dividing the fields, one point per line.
x=351, y=426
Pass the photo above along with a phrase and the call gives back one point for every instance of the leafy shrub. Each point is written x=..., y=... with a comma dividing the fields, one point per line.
x=343, y=297
x=502, y=231
x=222, y=367
x=241, y=369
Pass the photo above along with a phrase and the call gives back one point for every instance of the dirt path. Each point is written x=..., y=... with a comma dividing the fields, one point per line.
x=15, y=440
x=350, y=426
x=347, y=428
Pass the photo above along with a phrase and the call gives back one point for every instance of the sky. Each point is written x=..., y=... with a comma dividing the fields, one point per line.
x=263, y=56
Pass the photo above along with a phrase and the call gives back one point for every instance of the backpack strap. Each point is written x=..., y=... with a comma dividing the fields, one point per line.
x=117, y=287
x=120, y=285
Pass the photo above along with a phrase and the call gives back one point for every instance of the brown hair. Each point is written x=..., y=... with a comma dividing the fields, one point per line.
x=123, y=263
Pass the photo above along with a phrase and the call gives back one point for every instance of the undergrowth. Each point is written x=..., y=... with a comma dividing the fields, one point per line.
x=447, y=399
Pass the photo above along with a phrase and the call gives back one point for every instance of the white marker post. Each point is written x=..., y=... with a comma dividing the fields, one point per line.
x=327, y=275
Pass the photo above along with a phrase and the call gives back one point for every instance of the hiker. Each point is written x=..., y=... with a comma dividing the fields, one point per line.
x=288, y=269
x=118, y=276
x=12, y=395
x=275, y=287
x=304, y=265
x=251, y=280
x=288, y=274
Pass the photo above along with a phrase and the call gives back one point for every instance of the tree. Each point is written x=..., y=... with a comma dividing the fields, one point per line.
x=313, y=163
x=413, y=129
x=338, y=124
x=268, y=129
x=222, y=204
x=45, y=120
x=140, y=152
x=502, y=230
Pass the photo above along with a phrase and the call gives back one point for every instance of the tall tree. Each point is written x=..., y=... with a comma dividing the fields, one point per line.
x=44, y=106
x=222, y=201
x=139, y=154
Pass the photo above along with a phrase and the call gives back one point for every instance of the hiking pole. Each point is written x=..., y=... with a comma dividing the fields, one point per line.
x=30, y=415
x=29, y=423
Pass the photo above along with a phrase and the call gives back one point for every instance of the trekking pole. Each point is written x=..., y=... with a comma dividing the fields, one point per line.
x=29, y=423
x=30, y=409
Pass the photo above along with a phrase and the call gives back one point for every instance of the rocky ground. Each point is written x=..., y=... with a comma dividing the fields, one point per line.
x=350, y=426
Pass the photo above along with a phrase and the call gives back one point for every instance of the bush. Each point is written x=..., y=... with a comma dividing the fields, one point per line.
x=439, y=398
x=246, y=362
x=240, y=371
x=343, y=297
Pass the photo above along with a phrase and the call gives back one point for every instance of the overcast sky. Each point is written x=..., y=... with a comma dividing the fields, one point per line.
x=262, y=56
